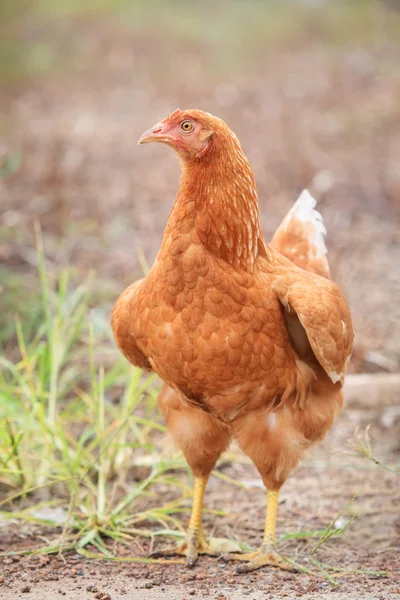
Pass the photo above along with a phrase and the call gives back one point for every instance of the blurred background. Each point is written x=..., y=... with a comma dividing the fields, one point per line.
x=311, y=87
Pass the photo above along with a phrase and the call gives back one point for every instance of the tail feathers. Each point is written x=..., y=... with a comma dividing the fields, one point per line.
x=304, y=210
x=301, y=236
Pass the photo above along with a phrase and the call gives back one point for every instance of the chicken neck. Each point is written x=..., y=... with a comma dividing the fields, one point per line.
x=217, y=203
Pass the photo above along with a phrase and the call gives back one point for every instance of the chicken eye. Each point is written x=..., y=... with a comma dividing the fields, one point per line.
x=187, y=126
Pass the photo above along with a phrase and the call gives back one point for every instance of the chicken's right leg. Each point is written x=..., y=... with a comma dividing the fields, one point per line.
x=202, y=439
x=195, y=542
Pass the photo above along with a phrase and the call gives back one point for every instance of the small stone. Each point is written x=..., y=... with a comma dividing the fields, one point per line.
x=92, y=588
x=188, y=577
x=26, y=589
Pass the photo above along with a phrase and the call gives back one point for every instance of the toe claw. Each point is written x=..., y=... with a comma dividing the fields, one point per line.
x=224, y=557
x=241, y=569
x=168, y=552
x=191, y=561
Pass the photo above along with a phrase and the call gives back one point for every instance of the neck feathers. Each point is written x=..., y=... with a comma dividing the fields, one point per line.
x=222, y=188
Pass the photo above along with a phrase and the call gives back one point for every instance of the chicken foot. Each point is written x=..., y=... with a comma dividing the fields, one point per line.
x=267, y=554
x=195, y=542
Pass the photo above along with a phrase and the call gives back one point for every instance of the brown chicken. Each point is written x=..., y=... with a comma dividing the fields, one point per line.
x=252, y=339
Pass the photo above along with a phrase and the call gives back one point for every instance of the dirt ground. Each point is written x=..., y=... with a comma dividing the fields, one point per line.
x=319, y=490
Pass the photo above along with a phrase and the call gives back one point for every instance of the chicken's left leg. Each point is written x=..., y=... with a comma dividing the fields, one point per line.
x=274, y=445
x=267, y=554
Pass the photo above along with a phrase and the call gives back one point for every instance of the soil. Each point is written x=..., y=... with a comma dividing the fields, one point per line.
x=321, y=488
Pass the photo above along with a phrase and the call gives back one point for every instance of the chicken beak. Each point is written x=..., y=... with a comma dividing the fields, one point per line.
x=155, y=134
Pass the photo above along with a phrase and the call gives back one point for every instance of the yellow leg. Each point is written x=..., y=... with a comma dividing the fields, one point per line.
x=270, y=517
x=195, y=524
x=266, y=555
x=195, y=542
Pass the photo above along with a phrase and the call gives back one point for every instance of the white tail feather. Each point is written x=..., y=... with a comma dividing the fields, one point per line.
x=304, y=210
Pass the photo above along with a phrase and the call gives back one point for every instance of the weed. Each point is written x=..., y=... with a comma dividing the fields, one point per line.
x=361, y=445
x=72, y=428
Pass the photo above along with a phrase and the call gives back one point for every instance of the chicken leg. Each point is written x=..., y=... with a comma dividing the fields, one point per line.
x=195, y=542
x=267, y=554
x=202, y=440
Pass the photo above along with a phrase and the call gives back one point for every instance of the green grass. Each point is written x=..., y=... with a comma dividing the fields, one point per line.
x=75, y=421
